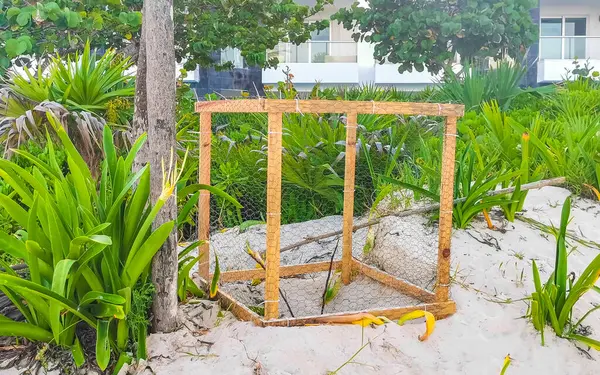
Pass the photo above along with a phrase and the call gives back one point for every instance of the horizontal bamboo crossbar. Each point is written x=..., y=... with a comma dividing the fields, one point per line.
x=440, y=310
x=329, y=106
x=284, y=271
x=387, y=279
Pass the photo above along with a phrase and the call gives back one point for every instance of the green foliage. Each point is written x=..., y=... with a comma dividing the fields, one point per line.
x=567, y=143
x=552, y=303
x=82, y=266
x=417, y=34
x=201, y=28
x=86, y=82
x=473, y=86
x=78, y=92
x=251, y=26
x=185, y=285
x=80, y=82
x=137, y=319
x=472, y=188
x=36, y=29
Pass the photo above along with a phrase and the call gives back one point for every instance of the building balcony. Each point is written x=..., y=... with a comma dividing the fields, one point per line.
x=557, y=55
x=387, y=74
x=331, y=62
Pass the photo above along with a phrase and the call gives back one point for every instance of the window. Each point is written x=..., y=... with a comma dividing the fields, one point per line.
x=319, y=45
x=563, y=38
x=232, y=55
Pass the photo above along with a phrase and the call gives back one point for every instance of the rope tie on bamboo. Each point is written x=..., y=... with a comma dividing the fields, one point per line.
x=275, y=133
x=298, y=107
x=272, y=301
x=373, y=103
x=445, y=211
x=273, y=213
x=451, y=135
x=439, y=109
x=444, y=285
x=349, y=191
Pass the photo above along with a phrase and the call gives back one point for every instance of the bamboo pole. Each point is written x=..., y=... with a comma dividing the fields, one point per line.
x=273, y=216
x=446, y=205
x=330, y=106
x=423, y=210
x=204, y=198
x=440, y=310
x=349, y=176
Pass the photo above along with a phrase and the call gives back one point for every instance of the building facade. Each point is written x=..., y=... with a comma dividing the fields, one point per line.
x=569, y=30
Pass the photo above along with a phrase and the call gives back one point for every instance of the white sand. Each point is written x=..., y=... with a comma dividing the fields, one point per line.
x=473, y=341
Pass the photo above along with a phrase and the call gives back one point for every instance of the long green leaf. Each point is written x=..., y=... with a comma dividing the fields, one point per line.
x=103, y=344
x=594, y=344
x=143, y=257
x=214, y=283
x=78, y=355
x=19, y=284
x=560, y=266
x=12, y=246
x=190, y=189
x=21, y=329
x=412, y=187
x=59, y=285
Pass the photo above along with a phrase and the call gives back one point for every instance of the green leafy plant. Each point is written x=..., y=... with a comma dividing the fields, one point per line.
x=31, y=31
x=87, y=245
x=518, y=196
x=185, y=285
x=474, y=86
x=79, y=82
x=88, y=83
x=471, y=188
x=79, y=91
x=428, y=34
x=552, y=303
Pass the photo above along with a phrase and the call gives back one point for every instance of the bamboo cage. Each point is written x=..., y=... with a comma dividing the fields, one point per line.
x=350, y=268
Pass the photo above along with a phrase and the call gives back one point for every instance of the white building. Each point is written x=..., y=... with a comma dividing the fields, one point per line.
x=332, y=58
x=569, y=29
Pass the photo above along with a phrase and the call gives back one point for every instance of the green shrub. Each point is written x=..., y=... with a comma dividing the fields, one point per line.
x=82, y=92
x=472, y=86
x=87, y=246
x=552, y=303
x=82, y=82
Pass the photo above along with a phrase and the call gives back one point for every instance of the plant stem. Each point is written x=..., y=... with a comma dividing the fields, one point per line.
x=329, y=275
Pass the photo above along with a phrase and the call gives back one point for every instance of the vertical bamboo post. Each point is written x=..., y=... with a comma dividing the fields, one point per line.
x=273, y=215
x=204, y=199
x=349, y=175
x=446, y=204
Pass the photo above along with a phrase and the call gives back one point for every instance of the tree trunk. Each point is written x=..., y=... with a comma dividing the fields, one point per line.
x=140, y=106
x=159, y=51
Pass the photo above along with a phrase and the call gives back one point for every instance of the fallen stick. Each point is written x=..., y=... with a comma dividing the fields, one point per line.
x=424, y=209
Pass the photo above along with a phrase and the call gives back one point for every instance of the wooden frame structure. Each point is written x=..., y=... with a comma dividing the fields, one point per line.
x=437, y=303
